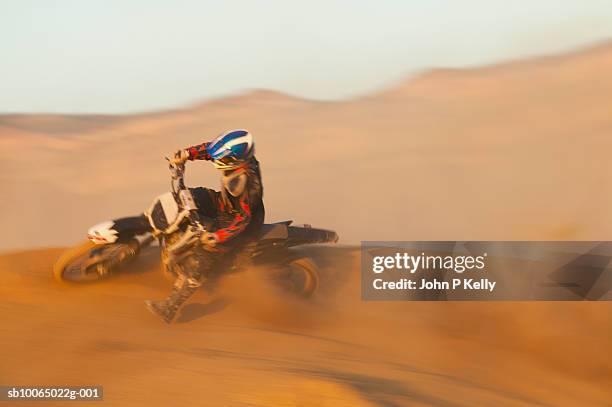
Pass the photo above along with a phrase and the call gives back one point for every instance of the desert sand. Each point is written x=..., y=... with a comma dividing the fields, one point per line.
x=520, y=150
x=249, y=345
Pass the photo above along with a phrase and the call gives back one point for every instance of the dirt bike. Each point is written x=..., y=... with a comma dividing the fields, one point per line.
x=175, y=222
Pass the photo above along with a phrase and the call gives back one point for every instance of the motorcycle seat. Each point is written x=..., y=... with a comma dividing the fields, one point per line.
x=274, y=231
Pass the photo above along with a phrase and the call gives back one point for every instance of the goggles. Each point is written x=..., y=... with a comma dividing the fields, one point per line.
x=227, y=163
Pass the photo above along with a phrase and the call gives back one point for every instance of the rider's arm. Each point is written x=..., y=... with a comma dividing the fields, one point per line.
x=242, y=218
x=198, y=152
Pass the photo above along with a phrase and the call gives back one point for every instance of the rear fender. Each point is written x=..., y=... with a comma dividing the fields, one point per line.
x=298, y=235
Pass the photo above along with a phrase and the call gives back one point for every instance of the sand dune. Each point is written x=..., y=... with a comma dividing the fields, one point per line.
x=246, y=344
x=512, y=151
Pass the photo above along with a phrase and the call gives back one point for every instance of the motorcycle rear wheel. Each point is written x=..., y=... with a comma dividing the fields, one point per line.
x=304, y=276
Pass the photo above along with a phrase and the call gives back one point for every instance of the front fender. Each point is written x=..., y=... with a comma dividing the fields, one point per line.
x=119, y=230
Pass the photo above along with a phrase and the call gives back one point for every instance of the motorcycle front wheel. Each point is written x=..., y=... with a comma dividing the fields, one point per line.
x=88, y=262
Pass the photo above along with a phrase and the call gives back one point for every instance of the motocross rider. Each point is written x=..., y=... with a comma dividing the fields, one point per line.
x=237, y=210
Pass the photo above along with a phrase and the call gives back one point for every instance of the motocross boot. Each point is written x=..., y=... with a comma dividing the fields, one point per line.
x=160, y=308
x=183, y=289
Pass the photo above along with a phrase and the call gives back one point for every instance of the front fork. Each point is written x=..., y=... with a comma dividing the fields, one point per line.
x=105, y=263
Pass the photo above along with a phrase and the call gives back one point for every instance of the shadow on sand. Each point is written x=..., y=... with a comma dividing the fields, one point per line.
x=194, y=311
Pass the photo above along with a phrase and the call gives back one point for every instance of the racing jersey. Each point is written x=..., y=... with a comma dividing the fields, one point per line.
x=239, y=205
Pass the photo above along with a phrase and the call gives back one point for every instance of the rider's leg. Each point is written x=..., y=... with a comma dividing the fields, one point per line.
x=182, y=290
x=244, y=246
x=187, y=283
x=243, y=254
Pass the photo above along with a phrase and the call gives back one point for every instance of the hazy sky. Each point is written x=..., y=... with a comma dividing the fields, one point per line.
x=135, y=55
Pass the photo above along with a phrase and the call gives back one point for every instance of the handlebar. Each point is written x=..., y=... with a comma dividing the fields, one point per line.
x=177, y=175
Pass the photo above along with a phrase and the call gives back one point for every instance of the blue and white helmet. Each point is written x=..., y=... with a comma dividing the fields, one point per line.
x=231, y=149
